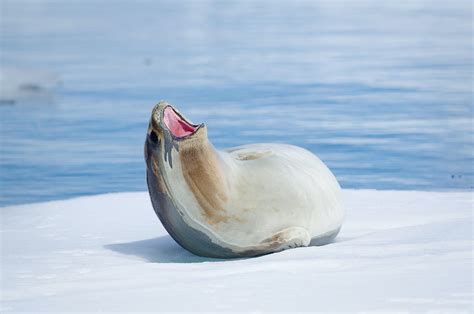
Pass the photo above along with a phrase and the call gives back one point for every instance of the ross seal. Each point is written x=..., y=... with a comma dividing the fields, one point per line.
x=244, y=201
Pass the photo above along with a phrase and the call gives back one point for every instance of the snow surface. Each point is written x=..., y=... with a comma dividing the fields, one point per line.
x=397, y=251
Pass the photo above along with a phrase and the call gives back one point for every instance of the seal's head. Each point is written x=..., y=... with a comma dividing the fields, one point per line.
x=169, y=129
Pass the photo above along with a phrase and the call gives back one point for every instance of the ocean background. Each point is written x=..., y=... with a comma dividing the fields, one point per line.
x=381, y=91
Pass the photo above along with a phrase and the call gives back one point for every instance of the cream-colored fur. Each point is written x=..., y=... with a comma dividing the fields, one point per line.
x=269, y=190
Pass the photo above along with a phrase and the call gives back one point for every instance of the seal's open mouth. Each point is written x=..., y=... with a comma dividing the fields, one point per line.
x=178, y=126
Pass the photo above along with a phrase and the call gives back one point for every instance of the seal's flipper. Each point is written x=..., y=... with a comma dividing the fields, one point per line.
x=287, y=238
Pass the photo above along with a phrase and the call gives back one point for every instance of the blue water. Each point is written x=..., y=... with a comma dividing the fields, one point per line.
x=381, y=91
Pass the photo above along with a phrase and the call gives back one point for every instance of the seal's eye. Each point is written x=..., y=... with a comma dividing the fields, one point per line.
x=153, y=137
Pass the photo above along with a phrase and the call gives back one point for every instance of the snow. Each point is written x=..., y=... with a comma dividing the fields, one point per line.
x=397, y=251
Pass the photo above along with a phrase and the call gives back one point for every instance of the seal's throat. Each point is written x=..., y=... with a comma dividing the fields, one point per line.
x=177, y=125
x=205, y=177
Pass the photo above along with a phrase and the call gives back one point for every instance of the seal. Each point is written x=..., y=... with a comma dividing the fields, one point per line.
x=244, y=201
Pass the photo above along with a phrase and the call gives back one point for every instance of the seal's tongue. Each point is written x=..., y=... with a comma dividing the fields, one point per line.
x=177, y=125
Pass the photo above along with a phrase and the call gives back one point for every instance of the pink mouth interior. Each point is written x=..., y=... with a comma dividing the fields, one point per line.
x=177, y=125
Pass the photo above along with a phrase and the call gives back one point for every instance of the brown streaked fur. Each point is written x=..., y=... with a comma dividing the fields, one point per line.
x=252, y=155
x=203, y=174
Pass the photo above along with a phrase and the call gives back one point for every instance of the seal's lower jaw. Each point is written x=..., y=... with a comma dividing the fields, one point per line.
x=177, y=125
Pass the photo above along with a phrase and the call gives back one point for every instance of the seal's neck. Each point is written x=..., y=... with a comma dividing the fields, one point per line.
x=205, y=173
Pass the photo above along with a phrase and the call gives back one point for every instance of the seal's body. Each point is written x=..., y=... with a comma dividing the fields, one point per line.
x=245, y=201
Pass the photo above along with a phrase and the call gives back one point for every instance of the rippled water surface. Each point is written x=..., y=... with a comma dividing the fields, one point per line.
x=380, y=90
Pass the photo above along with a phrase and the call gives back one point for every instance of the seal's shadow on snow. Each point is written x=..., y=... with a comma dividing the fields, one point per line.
x=159, y=250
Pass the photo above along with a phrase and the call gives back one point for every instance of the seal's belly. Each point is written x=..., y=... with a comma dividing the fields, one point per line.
x=284, y=186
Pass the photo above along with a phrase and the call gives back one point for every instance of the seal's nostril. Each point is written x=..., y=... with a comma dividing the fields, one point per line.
x=153, y=137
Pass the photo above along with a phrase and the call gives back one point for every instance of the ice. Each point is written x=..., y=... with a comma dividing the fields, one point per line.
x=397, y=251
